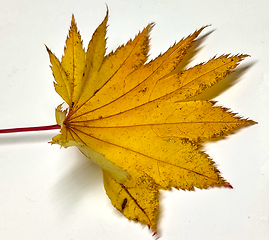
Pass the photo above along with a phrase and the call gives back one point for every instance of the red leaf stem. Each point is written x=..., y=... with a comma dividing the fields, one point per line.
x=31, y=129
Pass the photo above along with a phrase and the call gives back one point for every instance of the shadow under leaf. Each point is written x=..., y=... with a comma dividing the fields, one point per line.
x=84, y=178
x=26, y=137
x=224, y=84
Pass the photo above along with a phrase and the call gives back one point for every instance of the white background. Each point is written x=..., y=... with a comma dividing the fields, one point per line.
x=52, y=193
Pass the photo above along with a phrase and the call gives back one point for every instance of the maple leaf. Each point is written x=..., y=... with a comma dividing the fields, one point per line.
x=137, y=120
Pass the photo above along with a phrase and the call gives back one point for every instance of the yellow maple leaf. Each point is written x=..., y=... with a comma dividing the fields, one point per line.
x=137, y=120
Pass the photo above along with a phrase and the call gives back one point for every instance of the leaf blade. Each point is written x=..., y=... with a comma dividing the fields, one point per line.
x=136, y=199
x=139, y=120
x=94, y=60
x=60, y=84
x=73, y=61
x=134, y=82
x=153, y=155
x=114, y=69
x=196, y=120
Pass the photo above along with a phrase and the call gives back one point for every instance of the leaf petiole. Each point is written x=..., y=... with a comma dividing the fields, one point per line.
x=30, y=129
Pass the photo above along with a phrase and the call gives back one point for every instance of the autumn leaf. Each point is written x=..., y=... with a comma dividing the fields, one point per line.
x=137, y=119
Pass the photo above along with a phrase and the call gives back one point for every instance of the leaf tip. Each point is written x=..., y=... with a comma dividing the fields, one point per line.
x=107, y=10
x=228, y=185
x=48, y=50
x=251, y=122
x=73, y=23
